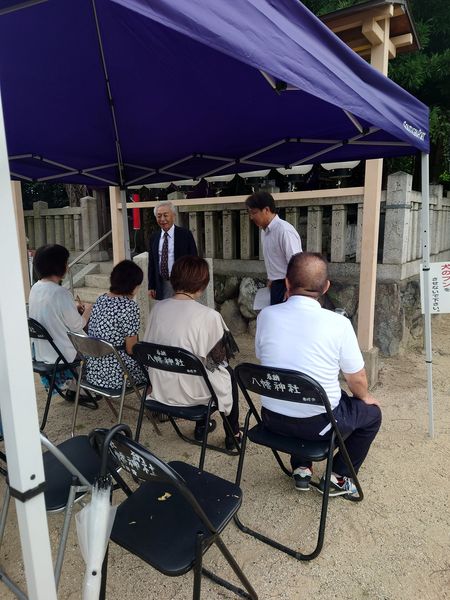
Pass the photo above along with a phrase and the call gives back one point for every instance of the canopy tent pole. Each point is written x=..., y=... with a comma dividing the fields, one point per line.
x=18, y=403
x=425, y=216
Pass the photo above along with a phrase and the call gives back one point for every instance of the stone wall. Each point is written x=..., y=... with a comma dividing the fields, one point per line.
x=398, y=316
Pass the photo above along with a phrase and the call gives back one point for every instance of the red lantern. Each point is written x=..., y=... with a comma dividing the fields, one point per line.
x=136, y=213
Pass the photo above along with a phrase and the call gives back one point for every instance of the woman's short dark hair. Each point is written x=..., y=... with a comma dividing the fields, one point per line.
x=50, y=261
x=261, y=200
x=189, y=274
x=125, y=277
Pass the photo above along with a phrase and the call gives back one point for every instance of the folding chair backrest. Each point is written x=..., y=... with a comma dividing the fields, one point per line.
x=37, y=331
x=90, y=346
x=281, y=384
x=132, y=457
x=168, y=358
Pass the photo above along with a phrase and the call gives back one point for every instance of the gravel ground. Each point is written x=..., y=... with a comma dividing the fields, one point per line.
x=392, y=546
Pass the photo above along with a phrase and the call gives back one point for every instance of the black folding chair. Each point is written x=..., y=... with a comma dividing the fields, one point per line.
x=70, y=469
x=178, y=360
x=176, y=514
x=290, y=386
x=39, y=332
x=88, y=346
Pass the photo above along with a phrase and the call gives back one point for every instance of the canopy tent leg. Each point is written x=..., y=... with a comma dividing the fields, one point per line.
x=18, y=403
x=425, y=216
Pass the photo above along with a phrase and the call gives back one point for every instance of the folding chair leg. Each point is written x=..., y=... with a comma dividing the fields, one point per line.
x=238, y=571
x=4, y=513
x=49, y=399
x=65, y=532
x=198, y=566
x=3, y=576
x=77, y=399
x=122, y=400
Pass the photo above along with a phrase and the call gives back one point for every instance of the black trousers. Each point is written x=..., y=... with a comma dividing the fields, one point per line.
x=233, y=417
x=277, y=291
x=358, y=423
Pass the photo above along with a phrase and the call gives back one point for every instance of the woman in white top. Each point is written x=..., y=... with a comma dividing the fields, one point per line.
x=181, y=321
x=53, y=307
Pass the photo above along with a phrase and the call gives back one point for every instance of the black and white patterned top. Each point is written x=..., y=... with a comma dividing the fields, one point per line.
x=113, y=318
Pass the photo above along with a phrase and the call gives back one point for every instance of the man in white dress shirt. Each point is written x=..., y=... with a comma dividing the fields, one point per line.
x=301, y=335
x=280, y=240
x=165, y=247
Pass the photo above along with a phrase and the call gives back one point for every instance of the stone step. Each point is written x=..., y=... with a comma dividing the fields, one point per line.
x=106, y=267
x=97, y=280
x=88, y=294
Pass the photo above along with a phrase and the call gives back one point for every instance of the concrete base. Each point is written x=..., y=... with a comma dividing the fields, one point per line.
x=372, y=366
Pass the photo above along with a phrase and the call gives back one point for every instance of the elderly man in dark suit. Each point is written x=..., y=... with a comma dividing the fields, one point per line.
x=165, y=247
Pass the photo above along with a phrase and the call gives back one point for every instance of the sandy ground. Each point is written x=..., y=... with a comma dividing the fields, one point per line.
x=392, y=546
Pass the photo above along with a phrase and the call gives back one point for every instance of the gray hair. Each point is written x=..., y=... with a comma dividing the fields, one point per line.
x=165, y=203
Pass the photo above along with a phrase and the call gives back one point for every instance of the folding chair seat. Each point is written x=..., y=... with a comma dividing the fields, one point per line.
x=178, y=360
x=38, y=331
x=70, y=469
x=88, y=346
x=176, y=514
x=290, y=386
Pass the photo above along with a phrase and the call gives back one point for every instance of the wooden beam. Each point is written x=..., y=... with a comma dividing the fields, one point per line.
x=21, y=236
x=118, y=238
x=400, y=41
x=356, y=20
x=372, y=31
x=392, y=50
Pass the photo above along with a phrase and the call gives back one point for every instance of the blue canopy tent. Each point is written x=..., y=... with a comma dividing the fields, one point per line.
x=120, y=92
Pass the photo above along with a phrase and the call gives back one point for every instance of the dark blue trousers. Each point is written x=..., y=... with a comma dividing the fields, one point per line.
x=357, y=421
x=277, y=291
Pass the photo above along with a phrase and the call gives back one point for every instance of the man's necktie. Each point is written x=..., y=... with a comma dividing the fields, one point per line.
x=164, y=267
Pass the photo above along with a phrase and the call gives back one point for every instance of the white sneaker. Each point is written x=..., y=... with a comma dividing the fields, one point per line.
x=302, y=477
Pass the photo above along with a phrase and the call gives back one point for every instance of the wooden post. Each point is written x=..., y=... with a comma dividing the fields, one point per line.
x=118, y=239
x=371, y=217
x=20, y=226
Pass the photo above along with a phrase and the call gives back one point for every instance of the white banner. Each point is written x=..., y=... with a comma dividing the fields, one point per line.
x=439, y=291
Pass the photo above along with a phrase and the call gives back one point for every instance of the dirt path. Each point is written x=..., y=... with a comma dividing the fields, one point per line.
x=392, y=546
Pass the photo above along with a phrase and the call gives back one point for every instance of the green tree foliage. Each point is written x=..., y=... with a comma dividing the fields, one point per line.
x=426, y=74
x=54, y=194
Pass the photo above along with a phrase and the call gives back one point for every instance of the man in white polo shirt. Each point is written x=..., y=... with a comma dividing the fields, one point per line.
x=301, y=335
x=280, y=240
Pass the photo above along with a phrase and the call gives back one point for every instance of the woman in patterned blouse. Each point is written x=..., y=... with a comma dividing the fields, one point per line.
x=115, y=318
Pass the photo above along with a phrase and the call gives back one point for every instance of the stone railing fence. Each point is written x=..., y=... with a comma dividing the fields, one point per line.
x=330, y=224
x=75, y=228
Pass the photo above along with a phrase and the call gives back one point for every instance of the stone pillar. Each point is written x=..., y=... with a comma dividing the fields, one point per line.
x=30, y=231
x=210, y=234
x=77, y=233
x=59, y=230
x=39, y=223
x=436, y=193
x=398, y=213
x=21, y=237
x=207, y=297
x=412, y=238
x=229, y=234
x=314, y=229
x=50, y=229
x=194, y=226
x=68, y=232
x=89, y=227
x=338, y=231
x=292, y=216
x=245, y=235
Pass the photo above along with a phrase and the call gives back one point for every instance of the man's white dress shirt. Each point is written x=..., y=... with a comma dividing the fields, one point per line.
x=301, y=335
x=171, y=239
x=280, y=240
